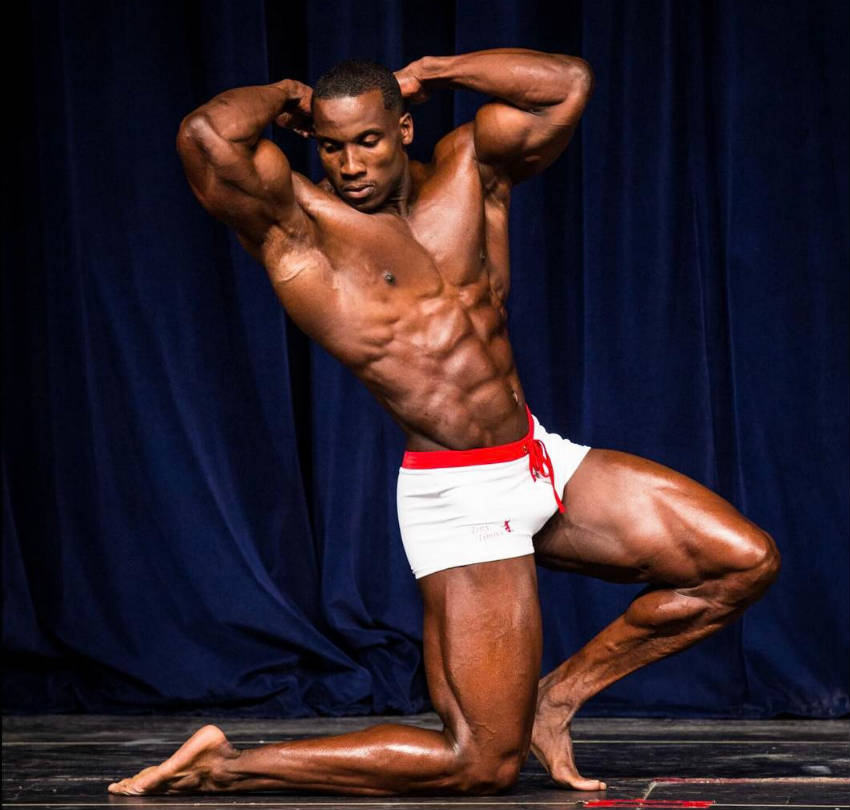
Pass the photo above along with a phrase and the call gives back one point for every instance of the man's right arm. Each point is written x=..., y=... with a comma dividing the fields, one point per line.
x=240, y=178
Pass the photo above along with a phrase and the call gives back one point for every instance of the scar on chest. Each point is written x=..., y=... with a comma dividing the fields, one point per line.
x=389, y=278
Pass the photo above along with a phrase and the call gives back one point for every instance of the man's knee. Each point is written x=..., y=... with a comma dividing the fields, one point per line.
x=489, y=773
x=753, y=564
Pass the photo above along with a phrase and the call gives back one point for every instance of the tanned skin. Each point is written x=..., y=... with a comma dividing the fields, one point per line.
x=400, y=270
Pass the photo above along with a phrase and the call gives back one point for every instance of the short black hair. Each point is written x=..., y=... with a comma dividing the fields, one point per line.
x=353, y=77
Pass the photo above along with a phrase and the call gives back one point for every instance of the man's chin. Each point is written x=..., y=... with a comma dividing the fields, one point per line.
x=367, y=206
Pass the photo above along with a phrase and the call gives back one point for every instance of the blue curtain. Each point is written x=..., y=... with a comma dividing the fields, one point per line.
x=198, y=504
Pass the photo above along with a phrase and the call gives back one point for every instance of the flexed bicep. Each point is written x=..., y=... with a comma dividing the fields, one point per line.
x=247, y=187
x=519, y=142
x=540, y=98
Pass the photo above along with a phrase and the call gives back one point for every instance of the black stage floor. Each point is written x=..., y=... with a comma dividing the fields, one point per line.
x=67, y=761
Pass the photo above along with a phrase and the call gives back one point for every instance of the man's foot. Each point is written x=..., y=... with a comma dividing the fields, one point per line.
x=198, y=765
x=552, y=745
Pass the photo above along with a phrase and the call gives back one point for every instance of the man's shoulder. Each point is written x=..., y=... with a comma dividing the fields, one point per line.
x=458, y=147
x=452, y=160
x=459, y=144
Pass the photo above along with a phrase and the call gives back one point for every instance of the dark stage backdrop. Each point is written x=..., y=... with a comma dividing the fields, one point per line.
x=198, y=505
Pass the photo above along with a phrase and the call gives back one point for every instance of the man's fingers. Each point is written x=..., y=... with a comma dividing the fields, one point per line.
x=296, y=122
x=412, y=89
x=407, y=84
x=297, y=113
x=305, y=104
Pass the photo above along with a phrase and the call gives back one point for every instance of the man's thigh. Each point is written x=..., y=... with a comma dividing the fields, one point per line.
x=628, y=519
x=483, y=646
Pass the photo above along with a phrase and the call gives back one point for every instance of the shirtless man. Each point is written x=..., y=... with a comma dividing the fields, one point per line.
x=400, y=270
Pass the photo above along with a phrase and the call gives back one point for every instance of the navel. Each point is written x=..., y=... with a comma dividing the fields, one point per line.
x=389, y=278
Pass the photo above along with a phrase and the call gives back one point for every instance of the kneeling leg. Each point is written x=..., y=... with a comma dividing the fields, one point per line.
x=482, y=658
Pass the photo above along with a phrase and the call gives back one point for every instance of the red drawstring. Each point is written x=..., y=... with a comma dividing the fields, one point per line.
x=540, y=466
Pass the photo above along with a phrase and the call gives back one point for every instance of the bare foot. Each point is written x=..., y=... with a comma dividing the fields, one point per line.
x=552, y=745
x=198, y=765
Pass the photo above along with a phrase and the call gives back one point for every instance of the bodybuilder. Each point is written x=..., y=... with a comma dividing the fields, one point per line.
x=400, y=270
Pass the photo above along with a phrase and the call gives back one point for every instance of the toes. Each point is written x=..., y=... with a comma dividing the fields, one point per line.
x=587, y=784
x=138, y=784
x=119, y=787
x=573, y=779
x=122, y=788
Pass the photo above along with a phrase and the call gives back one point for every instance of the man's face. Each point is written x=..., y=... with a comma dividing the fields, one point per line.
x=361, y=146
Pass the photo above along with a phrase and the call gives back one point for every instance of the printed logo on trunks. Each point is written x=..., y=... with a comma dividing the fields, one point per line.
x=507, y=525
x=487, y=531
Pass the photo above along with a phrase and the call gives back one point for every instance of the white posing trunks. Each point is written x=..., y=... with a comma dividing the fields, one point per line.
x=458, y=507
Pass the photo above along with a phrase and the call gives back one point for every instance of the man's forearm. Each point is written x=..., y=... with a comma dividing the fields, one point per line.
x=241, y=114
x=527, y=79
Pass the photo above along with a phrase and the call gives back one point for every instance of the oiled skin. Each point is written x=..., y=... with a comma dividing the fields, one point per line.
x=431, y=344
x=407, y=286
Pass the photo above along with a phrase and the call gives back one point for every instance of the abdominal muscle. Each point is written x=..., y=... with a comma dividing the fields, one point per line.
x=446, y=374
x=415, y=319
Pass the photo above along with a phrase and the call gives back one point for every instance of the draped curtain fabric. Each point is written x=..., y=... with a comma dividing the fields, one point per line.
x=199, y=504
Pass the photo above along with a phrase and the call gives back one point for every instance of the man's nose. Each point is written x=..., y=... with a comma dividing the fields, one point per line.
x=351, y=164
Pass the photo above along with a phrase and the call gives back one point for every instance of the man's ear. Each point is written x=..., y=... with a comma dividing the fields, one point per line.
x=405, y=125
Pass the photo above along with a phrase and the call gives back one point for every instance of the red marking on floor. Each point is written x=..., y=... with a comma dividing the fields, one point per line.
x=653, y=803
x=752, y=780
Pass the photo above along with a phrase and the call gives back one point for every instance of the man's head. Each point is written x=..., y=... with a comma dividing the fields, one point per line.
x=361, y=127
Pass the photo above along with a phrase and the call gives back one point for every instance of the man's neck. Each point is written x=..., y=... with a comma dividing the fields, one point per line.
x=399, y=200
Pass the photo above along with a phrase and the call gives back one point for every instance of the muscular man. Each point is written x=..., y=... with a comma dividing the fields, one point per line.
x=400, y=270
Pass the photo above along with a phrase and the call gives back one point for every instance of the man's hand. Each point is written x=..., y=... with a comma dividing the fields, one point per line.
x=412, y=87
x=296, y=114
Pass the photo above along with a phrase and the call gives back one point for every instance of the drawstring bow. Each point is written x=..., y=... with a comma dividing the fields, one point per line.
x=540, y=466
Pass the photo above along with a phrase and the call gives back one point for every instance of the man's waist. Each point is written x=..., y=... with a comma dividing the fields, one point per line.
x=432, y=459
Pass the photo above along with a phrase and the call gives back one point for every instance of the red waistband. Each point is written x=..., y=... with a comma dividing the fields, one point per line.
x=539, y=463
x=432, y=459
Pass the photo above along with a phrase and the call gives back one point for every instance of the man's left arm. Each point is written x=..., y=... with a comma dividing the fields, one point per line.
x=541, y=98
